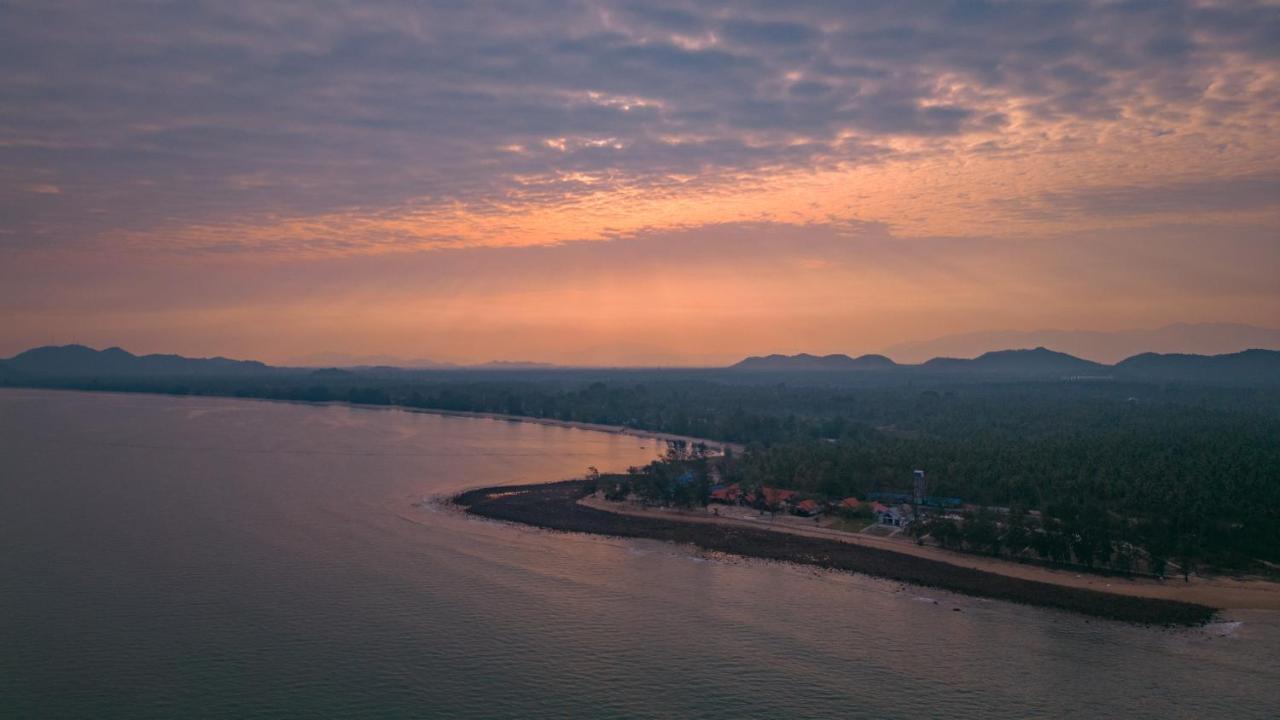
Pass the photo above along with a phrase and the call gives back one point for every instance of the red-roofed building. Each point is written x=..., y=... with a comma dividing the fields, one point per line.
x=728, y=494
x=808, y=508
x=886, y=515
x=850, y=503
x=774, y=497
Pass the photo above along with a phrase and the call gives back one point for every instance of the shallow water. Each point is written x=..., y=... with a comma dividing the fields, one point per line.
x=196, y=557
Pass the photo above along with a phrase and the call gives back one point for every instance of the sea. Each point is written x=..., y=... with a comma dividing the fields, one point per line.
x=190, y=557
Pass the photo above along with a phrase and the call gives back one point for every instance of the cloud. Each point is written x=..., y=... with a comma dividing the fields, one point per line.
x=756, y=33
x=1238, y=194
x=183, y=121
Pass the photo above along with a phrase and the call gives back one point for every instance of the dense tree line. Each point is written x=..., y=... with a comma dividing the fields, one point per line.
x=1180, y=471
x=680, y=478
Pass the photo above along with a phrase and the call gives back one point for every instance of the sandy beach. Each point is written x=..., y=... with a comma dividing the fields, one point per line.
x=1214, y=591
x=557, y=506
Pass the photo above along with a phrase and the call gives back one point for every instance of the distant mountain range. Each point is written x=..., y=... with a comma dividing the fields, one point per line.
x=807, y=362
x=1246, y=367
x=1103, y=347
x=1256, y=366
x=80, y=361
x=1039, y=361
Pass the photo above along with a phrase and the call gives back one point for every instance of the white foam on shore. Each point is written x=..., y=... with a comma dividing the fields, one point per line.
x=1222, y=629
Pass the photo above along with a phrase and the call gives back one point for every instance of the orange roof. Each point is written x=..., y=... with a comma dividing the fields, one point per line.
x=878, y=507
x=732, y=492
x=773, y=496
x=807, y=505
x=851, y=502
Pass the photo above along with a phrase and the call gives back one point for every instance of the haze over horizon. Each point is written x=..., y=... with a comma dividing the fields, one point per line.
x=1104, y=347
x=1109, y=348
x=634, y=183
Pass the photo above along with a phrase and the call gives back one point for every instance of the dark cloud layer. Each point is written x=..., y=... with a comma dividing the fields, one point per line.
x=143, y=115
x=1247, y=193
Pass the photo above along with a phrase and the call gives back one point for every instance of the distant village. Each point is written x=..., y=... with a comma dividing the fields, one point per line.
x=880, y=513
x=691, y=480
x=889, y=511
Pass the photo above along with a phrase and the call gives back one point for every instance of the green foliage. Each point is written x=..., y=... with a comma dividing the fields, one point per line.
x=1173, y=474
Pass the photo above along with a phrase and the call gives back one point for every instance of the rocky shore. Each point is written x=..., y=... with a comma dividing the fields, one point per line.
x=555, y=506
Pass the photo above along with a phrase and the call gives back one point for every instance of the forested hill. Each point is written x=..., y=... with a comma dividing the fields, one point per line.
x=1151, y=455
x=1250, y=367
x=1247, y=367
x=79, y=361
x=1040, y=361
x=807, y=362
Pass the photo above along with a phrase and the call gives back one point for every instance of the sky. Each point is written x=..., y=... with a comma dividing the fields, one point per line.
x=643, y=182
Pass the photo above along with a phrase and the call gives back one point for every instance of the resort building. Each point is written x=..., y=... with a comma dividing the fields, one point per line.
x=728, y=494
x=891, y=516
x=808, y=508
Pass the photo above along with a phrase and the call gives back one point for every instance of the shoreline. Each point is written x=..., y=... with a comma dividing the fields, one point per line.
x=553, y=422
x=960, y=561
x=556, y=506
x=1224, y=593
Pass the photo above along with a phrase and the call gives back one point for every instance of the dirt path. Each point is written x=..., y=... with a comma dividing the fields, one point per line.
x=1219, y=592
x=556, y=506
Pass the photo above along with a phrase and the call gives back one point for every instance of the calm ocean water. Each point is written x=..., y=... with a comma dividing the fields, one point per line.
x=191, y=558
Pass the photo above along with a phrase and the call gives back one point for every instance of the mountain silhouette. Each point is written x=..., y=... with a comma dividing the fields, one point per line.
x=1099, y=346
x=1037, y=361
x=1255, y=366
x=1250, y=366
x=807, y=362
x=81, y=361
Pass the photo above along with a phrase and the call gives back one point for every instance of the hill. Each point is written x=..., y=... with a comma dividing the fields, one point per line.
x=806, y=362
x=8, y=374
x=1036, y=362
x=81, y=361
x=1247, y=367
x=1099, y=346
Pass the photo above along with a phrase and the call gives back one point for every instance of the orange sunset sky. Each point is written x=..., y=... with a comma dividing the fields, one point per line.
x=630, y=182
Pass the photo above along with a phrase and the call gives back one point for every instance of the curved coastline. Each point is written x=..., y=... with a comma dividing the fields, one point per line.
x=555, y=506
x=552, y=422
